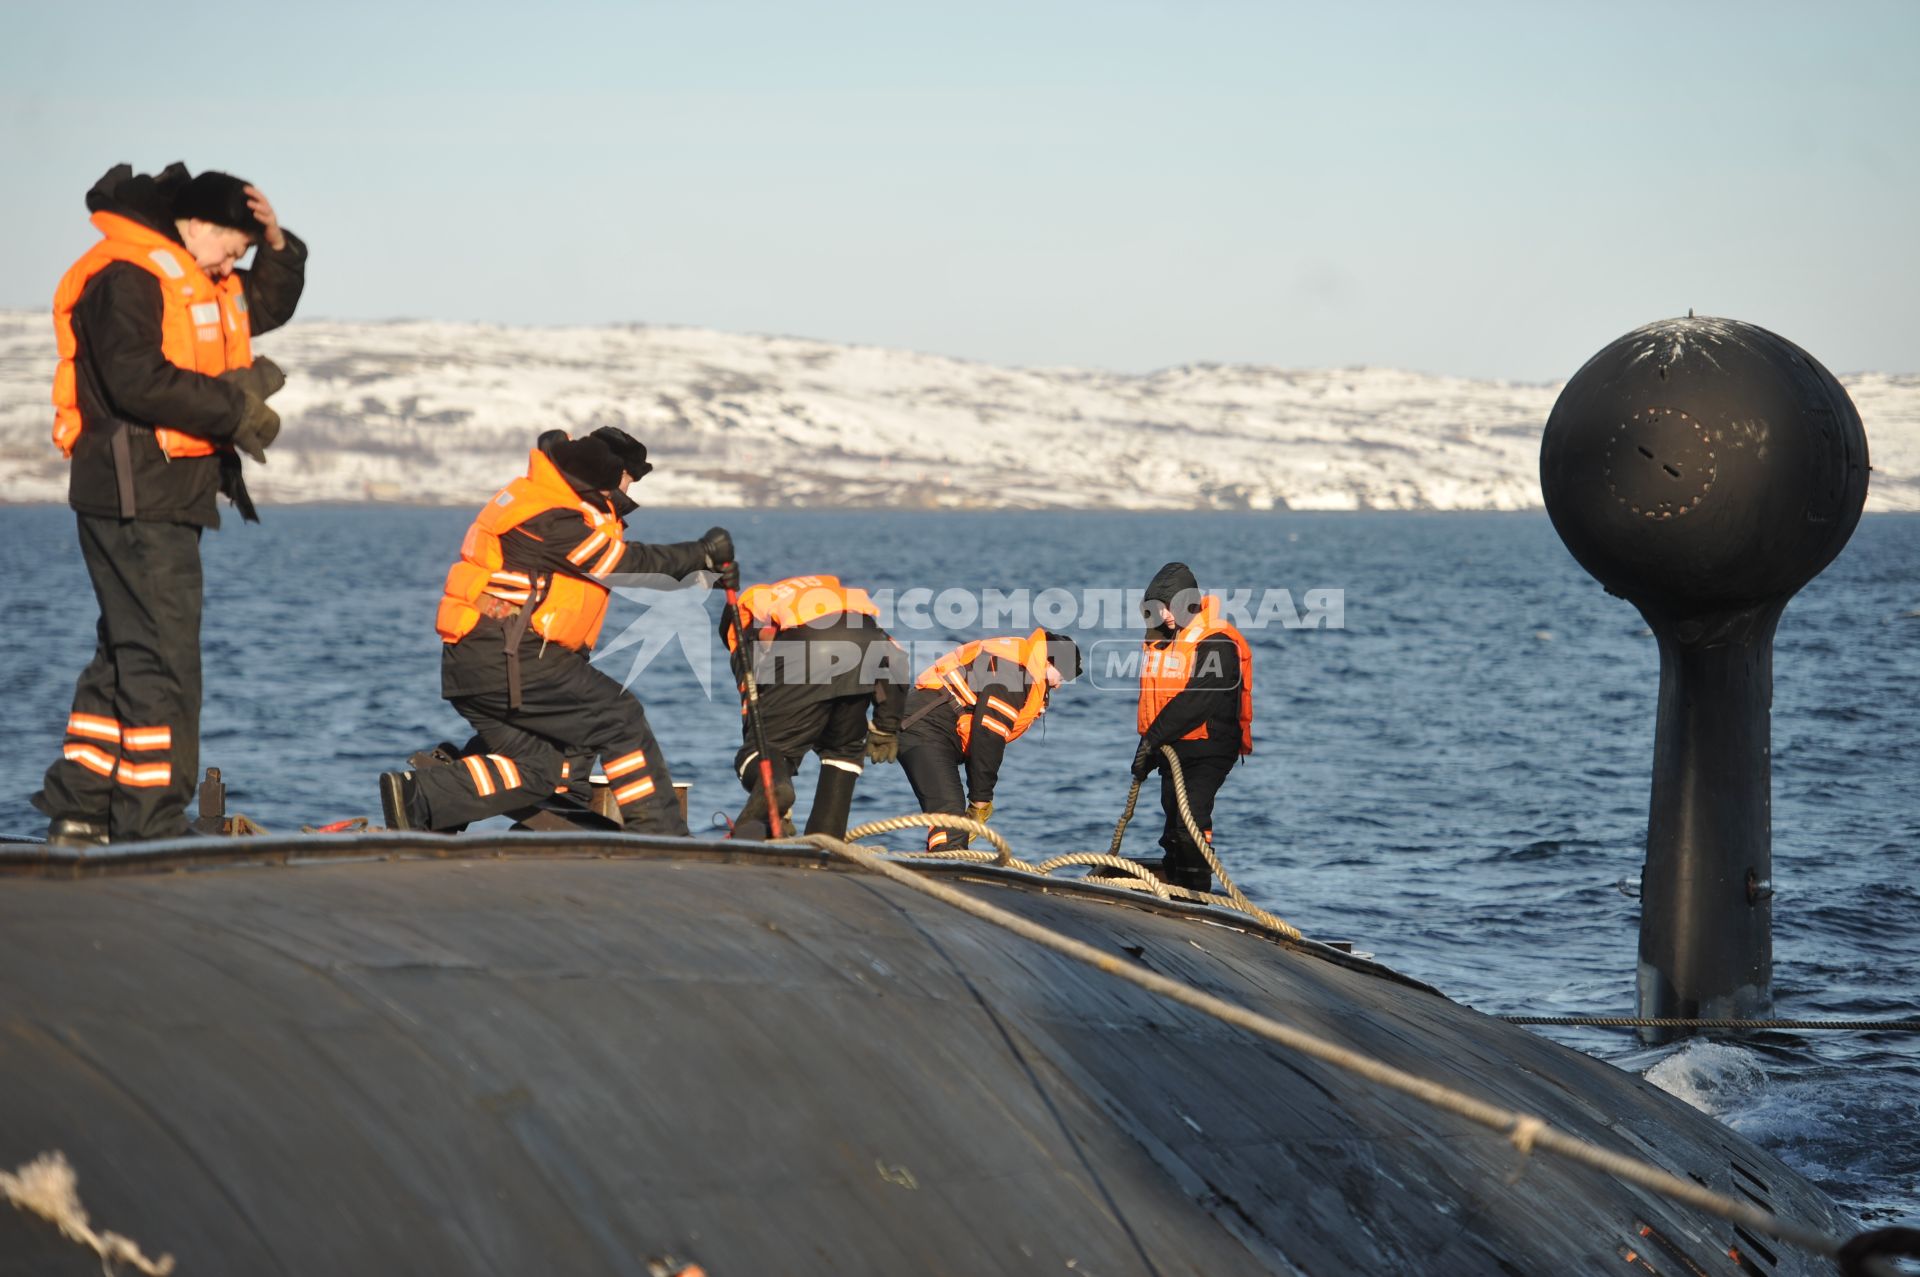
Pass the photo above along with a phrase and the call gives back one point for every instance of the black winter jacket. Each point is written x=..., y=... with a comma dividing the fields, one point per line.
x=932, y=713
x=539, y=547
x=1211, y=696
x=845, y=655
x=120, y=372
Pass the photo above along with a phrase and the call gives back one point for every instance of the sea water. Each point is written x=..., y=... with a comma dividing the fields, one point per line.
x=1452, y=749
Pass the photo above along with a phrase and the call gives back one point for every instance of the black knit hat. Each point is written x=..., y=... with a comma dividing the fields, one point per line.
x=1175, y=586
x=588, y=462
x=632, y=453
x=220, y=198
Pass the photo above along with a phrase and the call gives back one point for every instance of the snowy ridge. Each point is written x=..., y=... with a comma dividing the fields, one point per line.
x=444, y=413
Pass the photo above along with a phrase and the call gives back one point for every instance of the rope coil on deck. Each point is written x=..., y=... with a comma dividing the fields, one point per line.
x=1132, y=875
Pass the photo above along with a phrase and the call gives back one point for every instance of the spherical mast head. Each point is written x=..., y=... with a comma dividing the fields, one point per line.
x=1706, y=469
x=1701, y=465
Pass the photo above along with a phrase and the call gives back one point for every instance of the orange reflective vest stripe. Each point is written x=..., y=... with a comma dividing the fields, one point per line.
x=570, y=609
x=1167, y=664
x=949, y=674
x=204, y=326
x=798, y=601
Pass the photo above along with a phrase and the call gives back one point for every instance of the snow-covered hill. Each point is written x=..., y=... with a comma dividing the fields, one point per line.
x=440, y=412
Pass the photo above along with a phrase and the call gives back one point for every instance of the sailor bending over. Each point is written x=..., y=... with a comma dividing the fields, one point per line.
x=821, y=663
x=966, y=708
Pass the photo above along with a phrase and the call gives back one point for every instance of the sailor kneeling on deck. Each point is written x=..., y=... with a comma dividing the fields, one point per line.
x=522, y=609
x=821, y=661
x=966, y=708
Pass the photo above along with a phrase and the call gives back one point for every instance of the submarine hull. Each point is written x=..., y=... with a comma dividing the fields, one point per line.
x=580, y=1058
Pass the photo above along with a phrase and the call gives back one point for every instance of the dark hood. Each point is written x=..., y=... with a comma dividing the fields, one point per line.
x=1174, y=585
x=144, y=198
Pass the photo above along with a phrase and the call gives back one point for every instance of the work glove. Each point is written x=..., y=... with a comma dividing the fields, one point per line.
x=1144, y=759
x=982, y=812
x=259, y=427
x=263, y=378
x=882, y=747
x=717, y=545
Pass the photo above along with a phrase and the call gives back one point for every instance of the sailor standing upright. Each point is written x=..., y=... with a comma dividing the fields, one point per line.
x=1196, y=694
x=156, y=394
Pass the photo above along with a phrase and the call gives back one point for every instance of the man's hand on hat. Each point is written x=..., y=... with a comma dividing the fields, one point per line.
x=269, y=220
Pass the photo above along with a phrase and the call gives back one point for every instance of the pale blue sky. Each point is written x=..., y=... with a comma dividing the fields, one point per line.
x=1473, y=188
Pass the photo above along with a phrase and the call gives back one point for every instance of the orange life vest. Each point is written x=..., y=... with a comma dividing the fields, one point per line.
x=949, y=673
x=798, y=601
x=1167, y=664
x=570, y=610
x=204, y=326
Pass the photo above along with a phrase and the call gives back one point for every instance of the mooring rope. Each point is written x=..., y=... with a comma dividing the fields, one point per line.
x=1133, y=875
x=1525, y=1131
x=47, y=1187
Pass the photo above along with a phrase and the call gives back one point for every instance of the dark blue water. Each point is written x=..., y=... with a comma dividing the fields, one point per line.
x=1457, y=779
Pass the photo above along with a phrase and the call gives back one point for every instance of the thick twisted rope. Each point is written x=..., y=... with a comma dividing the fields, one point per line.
x=1133, y=875
x=1120, y=828
x=1235, y=898
x=940, y=820
x=1205, y=844
x=48, y=1187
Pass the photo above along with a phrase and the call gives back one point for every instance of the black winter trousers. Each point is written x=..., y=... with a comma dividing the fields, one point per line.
x=835, y=727
x=132, y=751
x=568, y=709
x=1185, y=866
x=933, y=764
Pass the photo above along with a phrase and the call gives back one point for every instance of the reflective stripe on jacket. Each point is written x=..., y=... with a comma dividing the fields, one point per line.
x=949, y=674
x=568, y=609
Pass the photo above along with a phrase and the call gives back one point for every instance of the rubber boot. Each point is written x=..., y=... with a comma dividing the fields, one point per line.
x=832, y=799
x=559, y=819
x=1188, y=869
x=64, y=832
x=751, y=824
x=398, y=802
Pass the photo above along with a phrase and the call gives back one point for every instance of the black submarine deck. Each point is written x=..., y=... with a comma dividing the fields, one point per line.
x=529, y=1054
